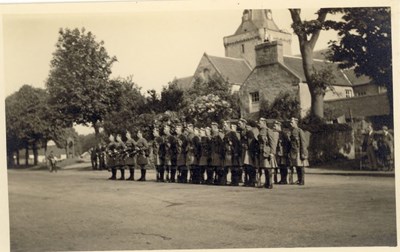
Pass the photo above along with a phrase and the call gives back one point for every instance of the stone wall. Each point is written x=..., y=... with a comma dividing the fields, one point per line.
x=269, y=81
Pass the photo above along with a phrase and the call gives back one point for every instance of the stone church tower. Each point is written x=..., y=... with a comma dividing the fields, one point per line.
x=257, y=27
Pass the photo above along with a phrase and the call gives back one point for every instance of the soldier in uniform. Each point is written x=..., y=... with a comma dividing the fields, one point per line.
x=158, y=154
x=209, y=167
x=205, y=154
x=198, y=175
x=282, y=153
x=217, y=154
x=190, y=158
x=386, y=146
x=119, y=160
x=243, y=150
x=267, y=141
x=252, y=153
x=298, y=150
x=182, y=148
x=170, y=153
x=130, y=155
x=142, y=156
x=231, y=151
x=111, y=155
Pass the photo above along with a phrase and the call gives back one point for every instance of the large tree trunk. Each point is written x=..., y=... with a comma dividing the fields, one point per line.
x=35, y=153
x=306, y=48
x=317, y=105
x=17, y=157
x=96, y=131
x=27, y=155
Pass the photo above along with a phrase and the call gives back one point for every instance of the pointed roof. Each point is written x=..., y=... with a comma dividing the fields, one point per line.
x=296, y=65
x=233, y=70
x=253, y=20
x=184, y=83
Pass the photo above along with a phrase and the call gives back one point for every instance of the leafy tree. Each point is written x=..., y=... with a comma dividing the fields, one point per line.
x=172, y=97
x=308, y=33
x=128, y=105
x=78, y=80
x=365, y=44
x=26, y=118
x=285, y=106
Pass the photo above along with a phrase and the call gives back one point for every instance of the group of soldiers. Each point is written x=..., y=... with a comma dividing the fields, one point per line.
x=188, y=154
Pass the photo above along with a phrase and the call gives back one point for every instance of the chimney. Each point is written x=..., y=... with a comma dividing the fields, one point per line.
x=270, y=52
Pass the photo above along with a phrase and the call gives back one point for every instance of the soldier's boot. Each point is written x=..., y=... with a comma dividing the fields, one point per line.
x=144, y=174
x=113, y=174
x=270, y=184
x=122, y=174
x=291, y=177
x=298, y=171
x=302, y=176
x=173, y=173
x=240, y=175
x=131, y=174
x=284, y=174
x=276, y=176
x=162, y=175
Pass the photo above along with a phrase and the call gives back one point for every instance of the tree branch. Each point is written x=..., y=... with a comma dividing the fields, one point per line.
x=322, y=13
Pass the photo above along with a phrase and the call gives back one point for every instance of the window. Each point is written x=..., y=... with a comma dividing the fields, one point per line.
x=349, y=93
x=255, y=97
x=242, y=48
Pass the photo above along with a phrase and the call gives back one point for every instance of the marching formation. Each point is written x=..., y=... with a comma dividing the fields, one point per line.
x=188, y=154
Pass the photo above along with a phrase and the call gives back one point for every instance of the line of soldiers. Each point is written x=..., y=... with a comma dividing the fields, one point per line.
x=207, y=155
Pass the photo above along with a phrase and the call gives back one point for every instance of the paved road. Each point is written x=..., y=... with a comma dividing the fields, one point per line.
x=82, y=210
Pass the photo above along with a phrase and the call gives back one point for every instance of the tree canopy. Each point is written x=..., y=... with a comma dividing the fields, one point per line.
x=364, y=43
x=78, y=80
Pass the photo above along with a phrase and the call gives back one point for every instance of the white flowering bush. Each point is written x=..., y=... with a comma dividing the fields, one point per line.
x=208, y=108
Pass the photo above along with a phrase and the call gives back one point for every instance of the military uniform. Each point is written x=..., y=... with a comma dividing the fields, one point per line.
x=158, y=155
x=142, y=156
x=205, y=159
x=130, y=154
x=298, y=153
x=119, y=160
x=267, y=141
x=217, y=161
x=111, y=154
x=282, y=156
x=232, y=156
x=195, y=148
x=182, y=148
x=251, y=157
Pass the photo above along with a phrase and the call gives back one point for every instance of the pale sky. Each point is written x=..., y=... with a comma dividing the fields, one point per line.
x=153, y=46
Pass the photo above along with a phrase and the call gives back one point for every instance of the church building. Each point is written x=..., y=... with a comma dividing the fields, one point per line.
x=259, y=64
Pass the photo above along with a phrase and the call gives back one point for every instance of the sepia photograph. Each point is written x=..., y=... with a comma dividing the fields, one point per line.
x=199, y=125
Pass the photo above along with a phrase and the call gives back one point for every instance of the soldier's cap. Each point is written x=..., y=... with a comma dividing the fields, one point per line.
x=384, y=128
x=294, y=119
x=189, y=125
x=277, y=123
x=243, y=120
x=178, y=125
x=262, y=119
x=214, y=123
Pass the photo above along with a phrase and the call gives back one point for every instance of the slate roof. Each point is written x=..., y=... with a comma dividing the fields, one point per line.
x=360, y=106
x=232, y=70
x=357, y=81
x=184, y=83
x=295, y=64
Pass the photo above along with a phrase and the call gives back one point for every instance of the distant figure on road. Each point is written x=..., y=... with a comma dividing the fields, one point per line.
x=52, y=161
x=93, y=157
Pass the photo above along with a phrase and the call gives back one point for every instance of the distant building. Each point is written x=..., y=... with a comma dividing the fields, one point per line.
x=258, y=64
